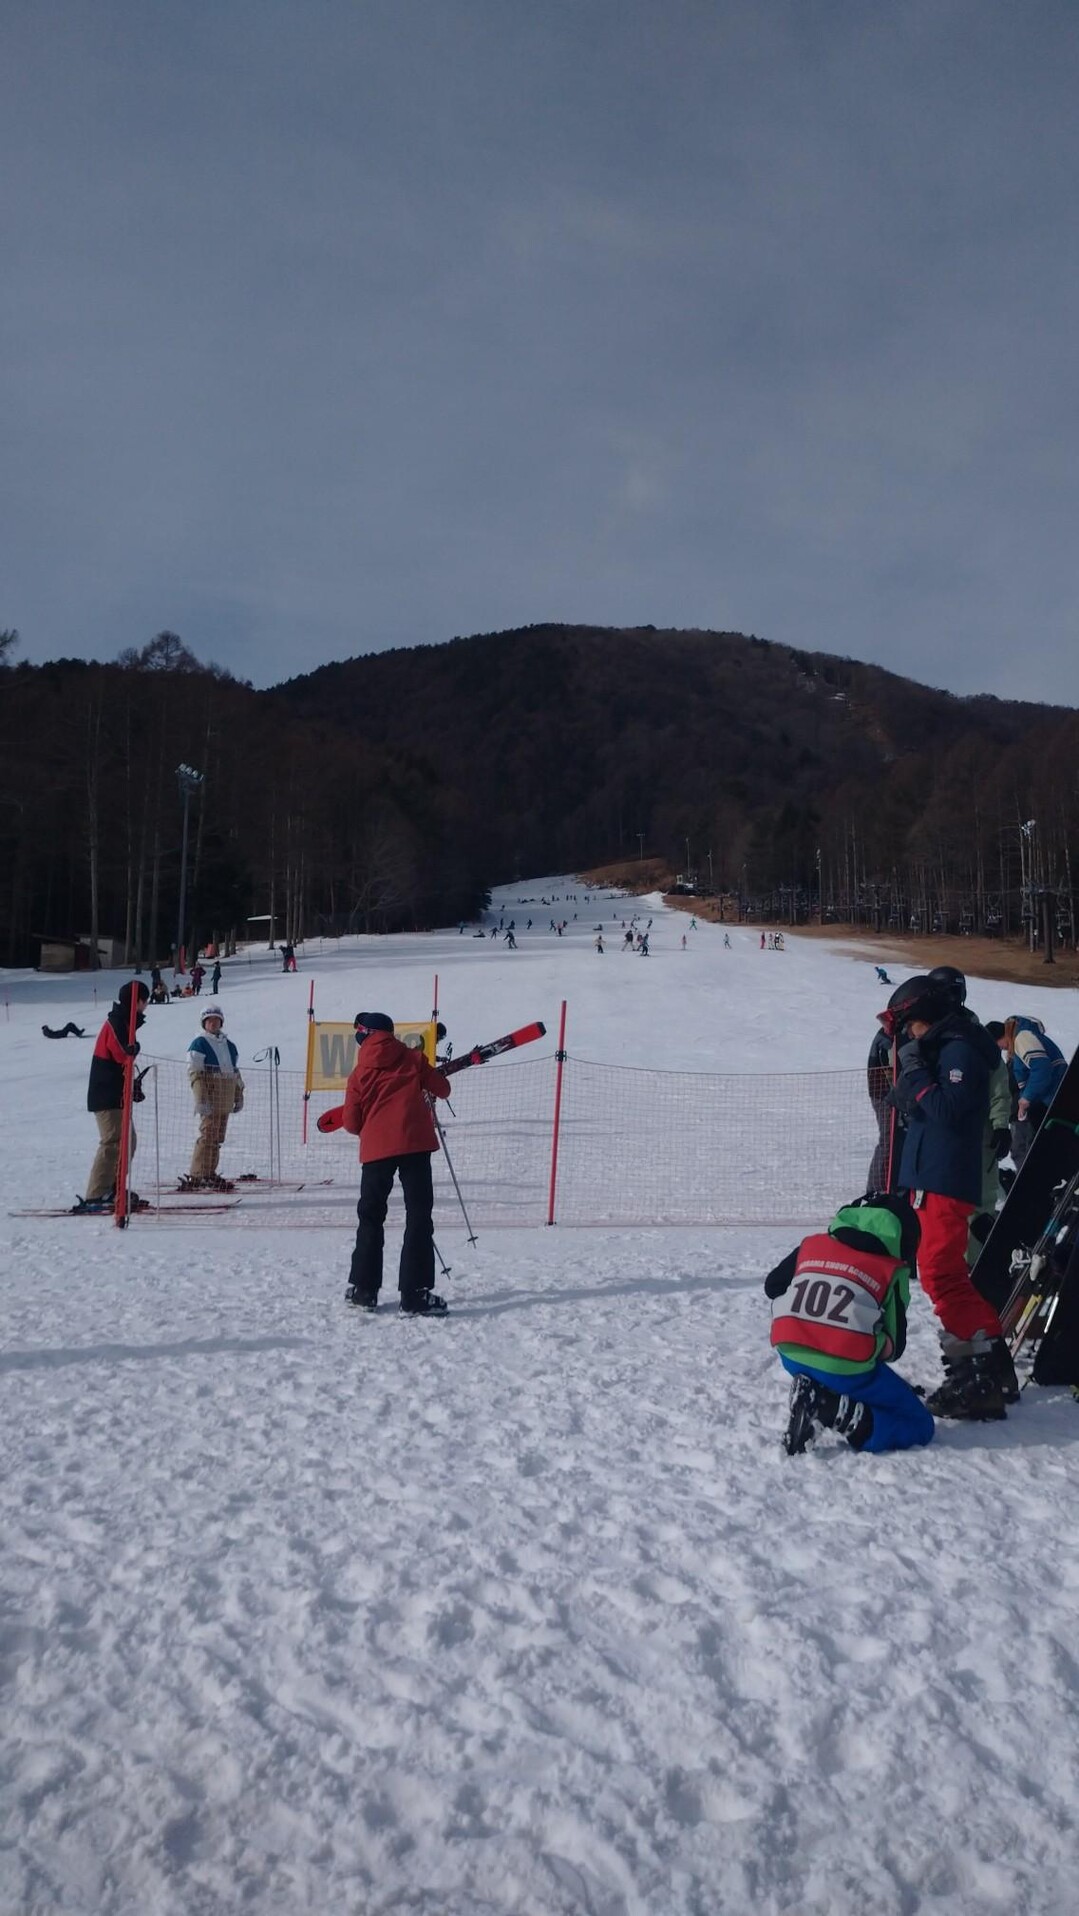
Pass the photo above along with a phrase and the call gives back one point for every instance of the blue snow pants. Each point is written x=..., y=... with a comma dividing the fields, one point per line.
x=900, y=1418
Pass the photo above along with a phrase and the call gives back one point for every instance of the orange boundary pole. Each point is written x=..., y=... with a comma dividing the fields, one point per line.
x=119, y=1216
x=560, y=1055
x=310, y=1026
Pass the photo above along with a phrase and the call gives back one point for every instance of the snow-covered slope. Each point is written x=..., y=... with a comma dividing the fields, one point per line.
x=524, y=1612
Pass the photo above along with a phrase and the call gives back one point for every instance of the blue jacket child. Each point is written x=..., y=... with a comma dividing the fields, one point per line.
x=1038, y=1065
x=839, y=1311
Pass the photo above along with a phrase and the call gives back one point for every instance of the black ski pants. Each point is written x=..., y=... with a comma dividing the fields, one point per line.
x=417, y=1268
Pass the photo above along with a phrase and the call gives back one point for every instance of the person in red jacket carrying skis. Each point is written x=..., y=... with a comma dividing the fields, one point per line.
x=388, y=1106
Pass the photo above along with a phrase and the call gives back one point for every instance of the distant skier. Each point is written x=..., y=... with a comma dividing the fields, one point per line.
x=727, y=946
x=644, y=946
x=683, y=941
x=599, y=943
x=510, y=941
x=627, y=942
x=882, y=975
x=764, y=941
x=844, y=1318
x=215, y=977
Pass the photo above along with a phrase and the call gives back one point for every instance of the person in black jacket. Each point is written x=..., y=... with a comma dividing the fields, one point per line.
x=945, y=1061
x=884, y=1164
x=105, y=1095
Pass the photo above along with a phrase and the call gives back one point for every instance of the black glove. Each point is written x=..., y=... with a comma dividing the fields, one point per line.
x=779, y=1280
x=131, y=1051
x=1002, y=1143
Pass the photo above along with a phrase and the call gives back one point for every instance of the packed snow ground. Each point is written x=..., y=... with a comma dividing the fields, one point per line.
x=523, y=1613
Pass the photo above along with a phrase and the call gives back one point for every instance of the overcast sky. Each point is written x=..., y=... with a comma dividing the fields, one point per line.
x=331, y=326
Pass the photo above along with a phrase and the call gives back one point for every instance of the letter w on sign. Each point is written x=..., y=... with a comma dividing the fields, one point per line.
x=337, y=1054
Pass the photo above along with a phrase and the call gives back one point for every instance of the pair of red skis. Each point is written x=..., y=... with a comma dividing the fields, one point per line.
x=480, y=1054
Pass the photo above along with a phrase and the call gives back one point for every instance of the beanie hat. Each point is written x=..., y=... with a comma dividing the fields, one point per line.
x=367, y=1021
x=212, y=1011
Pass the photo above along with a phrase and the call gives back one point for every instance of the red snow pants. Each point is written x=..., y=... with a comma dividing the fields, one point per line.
x=943, y=1270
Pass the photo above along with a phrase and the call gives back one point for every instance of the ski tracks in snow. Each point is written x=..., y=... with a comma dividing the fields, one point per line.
x=521, y=1612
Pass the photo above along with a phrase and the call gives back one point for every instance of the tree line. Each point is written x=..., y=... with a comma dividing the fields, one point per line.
x=390, y=792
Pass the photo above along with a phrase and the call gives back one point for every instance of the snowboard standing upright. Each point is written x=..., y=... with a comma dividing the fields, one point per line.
x=1050, y=1164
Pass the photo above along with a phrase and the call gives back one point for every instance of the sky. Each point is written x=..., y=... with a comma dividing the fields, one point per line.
x=365, y=323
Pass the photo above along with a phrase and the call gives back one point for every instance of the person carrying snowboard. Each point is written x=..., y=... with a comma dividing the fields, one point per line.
x=388, y=1106
x=839, y=1313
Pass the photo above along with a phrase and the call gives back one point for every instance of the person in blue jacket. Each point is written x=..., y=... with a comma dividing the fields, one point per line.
x=945, y=1059
x=214, y=1075
x=1037, y=1066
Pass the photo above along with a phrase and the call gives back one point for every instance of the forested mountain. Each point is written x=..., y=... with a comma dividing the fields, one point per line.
x=390, y=790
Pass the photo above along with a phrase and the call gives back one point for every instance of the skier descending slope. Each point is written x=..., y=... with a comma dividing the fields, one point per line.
x=945, y=1061
x=844, y=1317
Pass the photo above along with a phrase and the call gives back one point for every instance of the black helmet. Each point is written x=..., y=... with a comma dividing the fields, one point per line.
x=948, y=980
x=917, y=998
x=367, y=1021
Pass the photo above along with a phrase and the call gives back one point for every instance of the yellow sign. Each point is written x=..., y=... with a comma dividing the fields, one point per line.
x=331, y=1051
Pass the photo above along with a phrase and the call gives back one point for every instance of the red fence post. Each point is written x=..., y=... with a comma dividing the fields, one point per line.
x=310, y=1022
x=560, y=1056
x=123, y=1167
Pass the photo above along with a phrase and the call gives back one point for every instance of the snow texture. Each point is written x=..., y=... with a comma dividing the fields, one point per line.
x=525, y=1612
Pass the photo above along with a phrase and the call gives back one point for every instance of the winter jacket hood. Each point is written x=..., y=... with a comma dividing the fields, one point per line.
x=386, y=1099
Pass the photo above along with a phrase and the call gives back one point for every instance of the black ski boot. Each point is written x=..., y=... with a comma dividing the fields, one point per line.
x=1004, y=1370
x=424, y=1304
x=813, y=1406
x=972, y=1389
x=94, y=1207
x=361, y=1300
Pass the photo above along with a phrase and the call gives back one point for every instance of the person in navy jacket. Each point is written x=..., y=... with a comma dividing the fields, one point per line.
x=945, y=1063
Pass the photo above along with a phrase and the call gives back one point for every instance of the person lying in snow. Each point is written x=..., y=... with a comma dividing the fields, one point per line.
x=69, y=1031
x=846, y=1315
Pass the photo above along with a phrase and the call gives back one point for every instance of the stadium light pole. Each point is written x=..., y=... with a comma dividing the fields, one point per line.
x=189, y=781
x=1026, y=876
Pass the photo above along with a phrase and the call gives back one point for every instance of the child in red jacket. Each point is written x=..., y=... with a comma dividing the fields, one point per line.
x=388, y=1106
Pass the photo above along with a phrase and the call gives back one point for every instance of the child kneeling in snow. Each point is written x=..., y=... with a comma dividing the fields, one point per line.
x=846, y=1314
